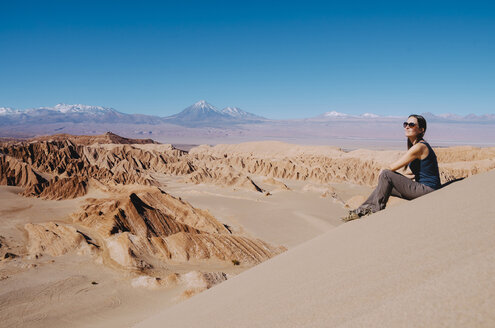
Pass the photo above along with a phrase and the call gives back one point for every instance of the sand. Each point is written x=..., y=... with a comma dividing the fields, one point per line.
x=426, y=263
x=285, y=217
x=111, y=235
x=59, y=291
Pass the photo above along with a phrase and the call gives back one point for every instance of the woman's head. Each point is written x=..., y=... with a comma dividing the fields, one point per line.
x=414, y=128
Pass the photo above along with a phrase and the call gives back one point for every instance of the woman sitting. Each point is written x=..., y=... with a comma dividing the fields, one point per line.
x=423, y=163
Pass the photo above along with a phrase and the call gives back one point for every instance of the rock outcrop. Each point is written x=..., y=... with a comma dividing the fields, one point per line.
x=196, y=281
x=137, y=227
x=276, y=183
x=56, y=239
x=73, y=167
x=143, y=229
x=16, y=173
x=59, y=188
x=223, y=176
x=107, y=138
x=64, y=158
x=330, y=164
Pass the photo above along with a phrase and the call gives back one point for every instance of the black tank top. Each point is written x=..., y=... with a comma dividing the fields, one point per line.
x=426, y=170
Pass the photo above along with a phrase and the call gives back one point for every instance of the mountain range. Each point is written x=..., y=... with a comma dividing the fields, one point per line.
x=448, y=117
x=200, y=114
x=71, y=113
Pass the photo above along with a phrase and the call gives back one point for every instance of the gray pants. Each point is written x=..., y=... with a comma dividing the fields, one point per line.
x=391, y=183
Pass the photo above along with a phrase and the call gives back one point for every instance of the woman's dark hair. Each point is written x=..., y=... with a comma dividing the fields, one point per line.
x=421, y=125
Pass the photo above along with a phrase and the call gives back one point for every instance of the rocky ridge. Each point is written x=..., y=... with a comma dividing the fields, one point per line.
x=146, y=230
x=138, y=227
x=41, y=164
x=107, y=138
x=329, y=164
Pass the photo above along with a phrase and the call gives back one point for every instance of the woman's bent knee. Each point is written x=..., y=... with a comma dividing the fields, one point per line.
x=385, y=173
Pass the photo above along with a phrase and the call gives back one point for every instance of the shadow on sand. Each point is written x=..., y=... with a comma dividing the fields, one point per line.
x=450, y=182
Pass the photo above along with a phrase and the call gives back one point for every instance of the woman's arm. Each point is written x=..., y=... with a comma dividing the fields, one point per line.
x=413, y=153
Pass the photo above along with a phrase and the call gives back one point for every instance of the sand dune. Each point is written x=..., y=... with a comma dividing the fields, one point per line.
x=426, y=263
x=161, y=219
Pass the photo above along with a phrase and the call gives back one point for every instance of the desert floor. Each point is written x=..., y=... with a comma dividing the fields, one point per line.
x=76, y=291
x=268, y=198
x=426, y=263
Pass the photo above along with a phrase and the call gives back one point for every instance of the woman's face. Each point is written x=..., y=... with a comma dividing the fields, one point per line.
x=412, y=131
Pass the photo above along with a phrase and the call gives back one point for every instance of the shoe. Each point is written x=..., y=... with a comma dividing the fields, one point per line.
x=352, y=215
x=365, y=212
x=357, y=214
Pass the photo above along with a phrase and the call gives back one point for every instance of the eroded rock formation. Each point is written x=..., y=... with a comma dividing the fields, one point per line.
x=74, y=167
x=56, y=239
x=136, y=226
x=107, y=138
x=154, y=226
x=14, y=172
x=329, y=164
x=59, y=188
x=72, y=164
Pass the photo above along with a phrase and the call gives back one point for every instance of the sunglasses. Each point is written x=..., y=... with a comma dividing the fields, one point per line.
x=410, y=124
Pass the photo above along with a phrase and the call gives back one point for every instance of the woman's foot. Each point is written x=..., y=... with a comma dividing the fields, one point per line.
x=357, y=214
x=352, y=215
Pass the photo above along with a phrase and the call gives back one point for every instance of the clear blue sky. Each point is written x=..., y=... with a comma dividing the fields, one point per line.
x=277, y=59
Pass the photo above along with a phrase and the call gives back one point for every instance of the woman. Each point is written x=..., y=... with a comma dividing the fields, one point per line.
x=423, y=163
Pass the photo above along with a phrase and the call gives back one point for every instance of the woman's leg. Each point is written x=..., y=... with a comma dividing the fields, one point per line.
x=392, y=183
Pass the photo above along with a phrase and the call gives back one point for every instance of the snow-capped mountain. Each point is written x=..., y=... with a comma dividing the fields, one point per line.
x=369, y=115
x=430, y=117
x=335, y=114
x=202, y=113
x=79, y=108
x=201, y=106
x=71, y=113
x=7, y=111
x=239, y=113
x=343, y=116
x=200, y=109
x=199, y=113
x=63, y=109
